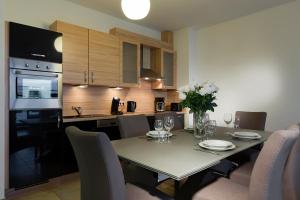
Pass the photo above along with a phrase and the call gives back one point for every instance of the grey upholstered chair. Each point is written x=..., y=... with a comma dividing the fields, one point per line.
x=177, y=124
x=266, y=179
x=291, y=177
x=133, y=126
x=101, y=174
x=251, y=120
x=243, y=173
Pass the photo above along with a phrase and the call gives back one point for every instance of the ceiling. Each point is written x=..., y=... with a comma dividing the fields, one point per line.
x=176, y=14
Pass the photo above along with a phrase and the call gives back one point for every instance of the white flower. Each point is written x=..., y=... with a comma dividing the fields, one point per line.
x=208, y=88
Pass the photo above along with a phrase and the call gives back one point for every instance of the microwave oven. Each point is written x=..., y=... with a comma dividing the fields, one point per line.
x=33, y=43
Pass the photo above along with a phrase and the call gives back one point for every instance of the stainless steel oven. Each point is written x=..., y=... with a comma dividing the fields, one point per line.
x=35, y=84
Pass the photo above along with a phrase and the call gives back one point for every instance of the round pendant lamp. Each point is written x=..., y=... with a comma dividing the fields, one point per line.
x=135, y=9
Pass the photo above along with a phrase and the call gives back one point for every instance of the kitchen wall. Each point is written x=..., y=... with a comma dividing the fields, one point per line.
x=97, y=100
x=255, y=60
x=2, y=103
x=42, y=13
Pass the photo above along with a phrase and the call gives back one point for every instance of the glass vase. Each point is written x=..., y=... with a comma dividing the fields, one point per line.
x=199, y=122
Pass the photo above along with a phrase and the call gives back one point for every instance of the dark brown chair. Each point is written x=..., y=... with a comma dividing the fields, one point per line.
x=177, y=124
x=100, y=171
x=251, y=120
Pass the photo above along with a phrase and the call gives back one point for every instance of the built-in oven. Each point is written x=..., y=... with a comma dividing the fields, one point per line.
x=35, y=88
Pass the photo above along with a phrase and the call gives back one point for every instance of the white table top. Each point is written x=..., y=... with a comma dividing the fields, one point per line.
x=178, y=159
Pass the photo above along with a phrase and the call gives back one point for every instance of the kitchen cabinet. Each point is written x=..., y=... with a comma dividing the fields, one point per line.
x=130, y=61
x=75, y=52
x=104, y=59
x=167, y=65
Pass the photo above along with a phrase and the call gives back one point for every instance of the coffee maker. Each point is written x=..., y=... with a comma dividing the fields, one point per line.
x=115, y=103
x=159, y=104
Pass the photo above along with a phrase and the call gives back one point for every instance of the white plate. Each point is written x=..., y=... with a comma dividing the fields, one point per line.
x=217, y=148
x=154, y=134
x=217, y=143
x=246, y=135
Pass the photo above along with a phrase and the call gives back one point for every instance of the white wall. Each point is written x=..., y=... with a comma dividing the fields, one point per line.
x=42, y=13
x=2, y=104
x=255, y=60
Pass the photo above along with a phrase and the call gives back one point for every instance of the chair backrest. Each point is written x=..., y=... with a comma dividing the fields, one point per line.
x=291, y=177
x=100, y=171
x=267, y=174
x=177, y=124
x=132, y=126
x=251, y=120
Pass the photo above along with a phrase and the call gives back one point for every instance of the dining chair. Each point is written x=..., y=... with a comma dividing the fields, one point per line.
x=291, y=177
x=134, y=126
x=101, y=175
x=266, y=177
x=242, y=174
x=177, y=124
x=251, y=120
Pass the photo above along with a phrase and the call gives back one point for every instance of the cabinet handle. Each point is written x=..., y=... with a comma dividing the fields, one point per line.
x=92, y=74
x=85, y=77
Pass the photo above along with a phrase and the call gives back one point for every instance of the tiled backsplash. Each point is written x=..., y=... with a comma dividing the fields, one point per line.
x=97, y=100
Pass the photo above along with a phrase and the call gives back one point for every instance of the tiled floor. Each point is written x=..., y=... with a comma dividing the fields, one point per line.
x=67, y=188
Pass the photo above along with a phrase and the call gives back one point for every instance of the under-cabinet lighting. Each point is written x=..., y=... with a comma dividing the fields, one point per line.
x=118, y=88
x=146, y=78
x=158, y=79
x=82, y=86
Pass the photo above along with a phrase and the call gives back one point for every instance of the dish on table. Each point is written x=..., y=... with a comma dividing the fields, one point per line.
x=246, y=135
x=156, y=134
x=217, y=145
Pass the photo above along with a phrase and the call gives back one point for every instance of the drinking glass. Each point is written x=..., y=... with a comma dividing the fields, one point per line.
x=210, y=128
x=169, y=125
x=237, y=122
x=227, y=118
x=158, y=126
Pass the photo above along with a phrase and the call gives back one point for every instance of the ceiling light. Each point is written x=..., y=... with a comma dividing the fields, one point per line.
x=135, y=9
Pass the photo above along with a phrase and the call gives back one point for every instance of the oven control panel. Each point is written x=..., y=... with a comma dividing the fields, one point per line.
x=34, y=65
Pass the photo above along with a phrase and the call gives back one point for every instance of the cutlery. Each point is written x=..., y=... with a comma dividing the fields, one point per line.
x=207, y=151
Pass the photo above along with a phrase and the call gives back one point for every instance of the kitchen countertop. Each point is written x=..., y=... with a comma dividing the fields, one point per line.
x=67, y=119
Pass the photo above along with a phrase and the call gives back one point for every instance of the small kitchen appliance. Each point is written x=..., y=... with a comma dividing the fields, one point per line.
x=115, y=106
x=176, y=107
x=131, y=106
x=159, y=104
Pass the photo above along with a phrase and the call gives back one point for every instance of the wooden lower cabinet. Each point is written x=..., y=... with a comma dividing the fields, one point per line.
x=104, y=59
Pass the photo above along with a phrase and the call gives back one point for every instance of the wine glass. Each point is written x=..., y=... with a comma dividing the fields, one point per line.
x=237, y=122
x=211, y=128
x=158, y=126
x=227, y=118
x=168, y=124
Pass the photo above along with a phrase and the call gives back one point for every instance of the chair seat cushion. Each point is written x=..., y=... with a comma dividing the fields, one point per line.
x=222, y=189
x=135, y=193
x=242, y=174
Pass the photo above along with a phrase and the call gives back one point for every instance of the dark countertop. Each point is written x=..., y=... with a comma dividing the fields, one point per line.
x=67, y=119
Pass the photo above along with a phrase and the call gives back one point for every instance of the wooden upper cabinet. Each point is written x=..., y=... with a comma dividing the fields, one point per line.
x=167, y=64
x=130, y=63
x=104, y=59
x=75, y=52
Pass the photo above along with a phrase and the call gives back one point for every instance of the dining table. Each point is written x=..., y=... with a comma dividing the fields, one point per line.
x=181, y=157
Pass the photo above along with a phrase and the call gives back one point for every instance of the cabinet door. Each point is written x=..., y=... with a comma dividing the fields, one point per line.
x=169, y=70
x=104, y=59
x=75, y=52
x=130, y=59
